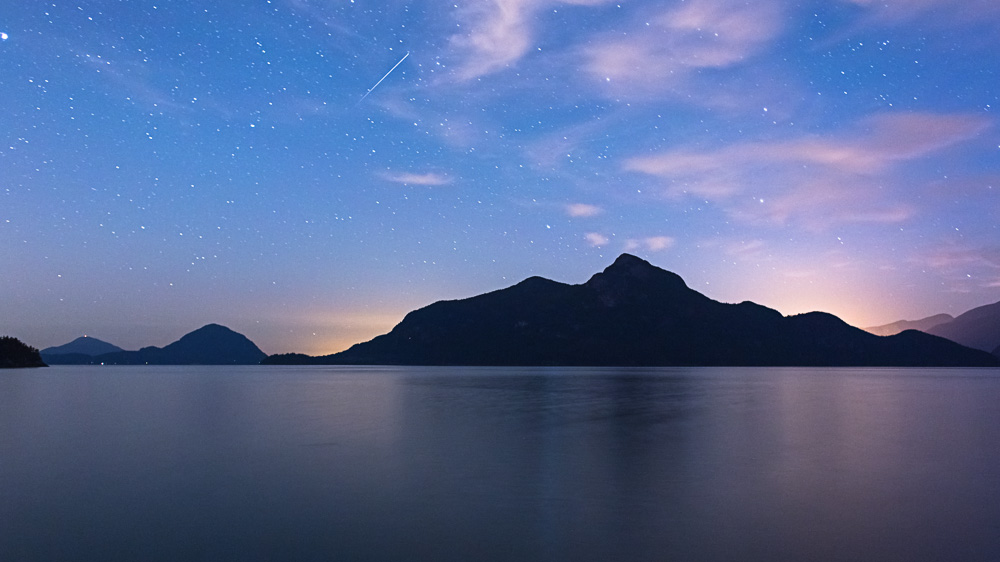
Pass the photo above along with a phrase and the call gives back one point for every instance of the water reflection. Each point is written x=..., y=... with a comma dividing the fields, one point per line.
x=573, y=467
x=499, y=464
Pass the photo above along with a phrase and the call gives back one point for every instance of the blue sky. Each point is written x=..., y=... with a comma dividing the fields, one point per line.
x=169, y=164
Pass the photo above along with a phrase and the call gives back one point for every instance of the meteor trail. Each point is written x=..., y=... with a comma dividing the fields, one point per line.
x=384, y=77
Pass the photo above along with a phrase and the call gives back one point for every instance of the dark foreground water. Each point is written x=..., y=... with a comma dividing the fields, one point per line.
x=251, y=464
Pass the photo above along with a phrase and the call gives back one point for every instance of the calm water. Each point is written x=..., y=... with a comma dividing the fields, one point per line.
x=287, y=463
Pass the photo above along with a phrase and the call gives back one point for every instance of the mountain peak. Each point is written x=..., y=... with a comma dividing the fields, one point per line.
x=211, y=329
x=84, y=345
x=208, y=344
x=628, y=269
x=627, y=263
x=628, y=259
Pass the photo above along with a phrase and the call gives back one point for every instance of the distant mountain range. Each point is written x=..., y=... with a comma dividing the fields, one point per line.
x=209, y=345
x=633, y=314
x=15, y=354
x=923, y=325
x=978, y=328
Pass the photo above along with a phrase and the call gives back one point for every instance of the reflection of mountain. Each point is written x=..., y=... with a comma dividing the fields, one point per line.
x=978, y=328
x=923, y=325
x=78, y=351
x=210, y=345
x=632, y=314
x=15, y=354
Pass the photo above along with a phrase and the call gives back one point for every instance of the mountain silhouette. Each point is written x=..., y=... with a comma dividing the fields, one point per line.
x=923, y=325
x=978, y=328
x=632, y=314
x=15, y=354
x=209, y=345
x=71, y=352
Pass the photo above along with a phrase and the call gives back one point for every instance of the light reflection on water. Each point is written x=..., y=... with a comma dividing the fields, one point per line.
x=173, y=463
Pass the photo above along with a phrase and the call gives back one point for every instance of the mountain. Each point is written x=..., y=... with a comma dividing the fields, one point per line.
x=923, y=325
x=83, y=345
x=632, y=314
x=978, y=328
x=14, y=354
x=209, y=345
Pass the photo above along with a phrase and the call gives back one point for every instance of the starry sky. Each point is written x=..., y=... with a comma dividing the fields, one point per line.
x=308, y=171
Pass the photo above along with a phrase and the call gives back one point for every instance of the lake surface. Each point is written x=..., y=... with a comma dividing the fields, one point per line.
x=472, y=464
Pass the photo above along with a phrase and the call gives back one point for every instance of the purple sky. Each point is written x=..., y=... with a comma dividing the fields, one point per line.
x=166, y=165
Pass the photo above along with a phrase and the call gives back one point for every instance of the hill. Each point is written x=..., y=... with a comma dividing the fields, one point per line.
x=78, y=351
x=633, y=314
x=85, y=345
x=14, y=354
x=209, y=345
x=923, y=325
x=978, y=328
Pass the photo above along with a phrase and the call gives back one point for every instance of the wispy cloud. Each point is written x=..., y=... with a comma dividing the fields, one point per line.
x=596, y=239
x=410, y=178
x=963, y=268
x=132, y=78
x=746, y=249
x=500, y=32
x=500, y=35
x=960, y=258
x=651, y=244
x=846, y=177
x=582, y=210
x=666, y=50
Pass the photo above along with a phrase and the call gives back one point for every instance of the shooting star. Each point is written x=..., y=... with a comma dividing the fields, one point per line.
x=384, y=77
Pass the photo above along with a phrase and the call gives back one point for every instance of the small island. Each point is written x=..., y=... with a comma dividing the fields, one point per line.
x=14, y=354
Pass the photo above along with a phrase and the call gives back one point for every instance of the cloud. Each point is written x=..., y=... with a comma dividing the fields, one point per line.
x=409, y=178
x=657, y=243
x=595, y=239
x=652, y=244
x=501, y=33
x=752, y=249
x=879, y=143
x=960, y=258
x=663, y=52
x=583, y=210
x=133, y=78
x=849, y=177
x=964, y=268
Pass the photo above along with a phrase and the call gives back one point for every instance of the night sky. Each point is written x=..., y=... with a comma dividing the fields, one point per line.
x=168, y=164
